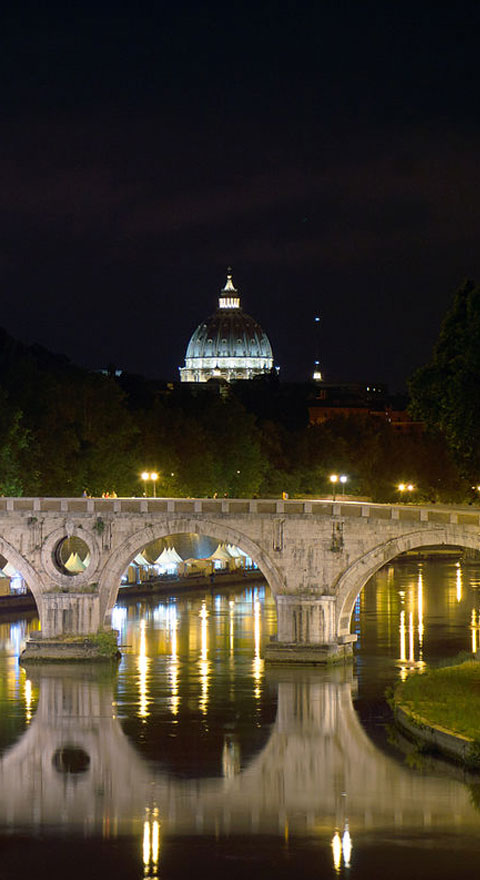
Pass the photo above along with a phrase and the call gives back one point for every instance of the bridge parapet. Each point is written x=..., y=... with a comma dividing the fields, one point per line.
x=270, y=506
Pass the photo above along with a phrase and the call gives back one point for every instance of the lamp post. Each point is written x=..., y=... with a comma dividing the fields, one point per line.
x=343, y=480
x=334, y=480
x=145, y=477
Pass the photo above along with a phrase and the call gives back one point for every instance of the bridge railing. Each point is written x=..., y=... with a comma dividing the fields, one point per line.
x=237, y=506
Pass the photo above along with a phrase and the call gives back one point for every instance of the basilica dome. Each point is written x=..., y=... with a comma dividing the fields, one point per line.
x=228, y=345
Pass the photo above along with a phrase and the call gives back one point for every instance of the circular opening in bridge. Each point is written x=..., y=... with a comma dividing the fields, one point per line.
x=71, y=759
x=72, y=556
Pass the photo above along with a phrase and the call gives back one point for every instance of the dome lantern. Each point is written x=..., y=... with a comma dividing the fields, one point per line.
x=226, y=300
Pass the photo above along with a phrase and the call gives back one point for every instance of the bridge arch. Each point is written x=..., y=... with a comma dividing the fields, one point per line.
x=118, y=561
x=354, y=578
x=28, y=573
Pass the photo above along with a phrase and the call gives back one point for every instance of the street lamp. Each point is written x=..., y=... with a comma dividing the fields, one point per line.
x=343, y=480
x=405, y=487
x=334, y=480
x=146, y=476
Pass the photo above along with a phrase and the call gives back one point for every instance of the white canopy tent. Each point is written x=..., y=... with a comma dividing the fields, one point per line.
x=222, y=558
x=168, y=555
x=141, y=561
x=168, y=561
x=74, y=564
x=243, y=560
x=138, y=570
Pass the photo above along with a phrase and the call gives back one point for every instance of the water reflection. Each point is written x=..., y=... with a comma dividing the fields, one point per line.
x=75, y=767
x=151, y=843
x=142, y=664
x=342, y=848
x=193, y=738
x=417, y=610
x=203, y=663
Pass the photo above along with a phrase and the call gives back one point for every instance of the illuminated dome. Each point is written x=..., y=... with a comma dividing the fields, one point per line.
x=229, y=345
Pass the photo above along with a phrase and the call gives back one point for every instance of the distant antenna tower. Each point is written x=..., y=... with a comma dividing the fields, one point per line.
x=317, y=373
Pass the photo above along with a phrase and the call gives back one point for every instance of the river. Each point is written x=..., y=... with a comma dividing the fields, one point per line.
x=193, y=759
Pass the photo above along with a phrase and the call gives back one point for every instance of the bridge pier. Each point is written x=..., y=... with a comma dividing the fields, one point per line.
x=70, y=630
x=306, y=632
x=77, y=613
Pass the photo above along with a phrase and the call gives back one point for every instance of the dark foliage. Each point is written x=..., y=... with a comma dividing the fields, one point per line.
x=64, y=430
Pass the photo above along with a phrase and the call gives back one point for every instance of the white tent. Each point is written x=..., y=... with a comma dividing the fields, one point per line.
x=242, y=559
x=162, y=559
x=74, y=564
x=221, y=557
x=173, y=555
x=142, y=566
x=236, y=552
x=238, y=556
x=221, y=553
x=168, y=561
x=168, y=555
x=141, y=561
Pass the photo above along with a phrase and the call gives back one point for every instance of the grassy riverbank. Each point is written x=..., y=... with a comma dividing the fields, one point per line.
x=448, y=698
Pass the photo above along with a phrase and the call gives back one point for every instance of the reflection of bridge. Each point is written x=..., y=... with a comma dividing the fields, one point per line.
x=316, y=556
x=75, y=768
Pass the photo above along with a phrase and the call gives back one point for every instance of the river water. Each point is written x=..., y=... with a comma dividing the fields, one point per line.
x=193, y=759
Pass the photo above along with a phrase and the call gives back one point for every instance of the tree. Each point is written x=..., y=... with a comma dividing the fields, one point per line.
x=445, y=392
x=13, y=443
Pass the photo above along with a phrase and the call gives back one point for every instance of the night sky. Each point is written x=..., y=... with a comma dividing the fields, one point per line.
x=327, y=151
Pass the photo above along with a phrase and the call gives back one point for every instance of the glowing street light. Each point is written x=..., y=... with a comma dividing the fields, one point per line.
x=334, y=480
x=405, y=487
x=146, y=476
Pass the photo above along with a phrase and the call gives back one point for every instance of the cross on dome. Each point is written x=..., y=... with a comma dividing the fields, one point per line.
x=229, y=283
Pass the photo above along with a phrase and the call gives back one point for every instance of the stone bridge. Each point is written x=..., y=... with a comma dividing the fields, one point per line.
x=315, y=555
x=75, y=769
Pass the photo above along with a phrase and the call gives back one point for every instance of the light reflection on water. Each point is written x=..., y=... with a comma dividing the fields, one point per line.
x=416, y=611
x=193, y=740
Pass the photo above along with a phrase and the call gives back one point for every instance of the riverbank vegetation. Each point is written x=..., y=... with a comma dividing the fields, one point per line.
x=448, y=697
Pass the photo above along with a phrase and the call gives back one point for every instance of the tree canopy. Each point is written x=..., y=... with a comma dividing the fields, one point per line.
x=64, y=430
x=445, y=391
